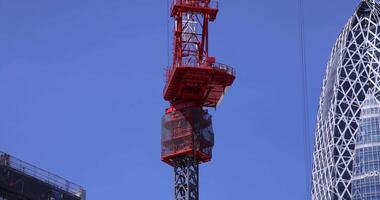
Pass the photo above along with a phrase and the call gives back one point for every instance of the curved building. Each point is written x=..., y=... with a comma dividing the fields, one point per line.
x=366, y=168
x=351, y=71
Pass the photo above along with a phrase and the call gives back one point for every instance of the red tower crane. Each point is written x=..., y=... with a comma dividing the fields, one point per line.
x=194, y=82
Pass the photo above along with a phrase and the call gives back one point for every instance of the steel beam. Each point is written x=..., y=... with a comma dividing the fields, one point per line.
x=186, y=179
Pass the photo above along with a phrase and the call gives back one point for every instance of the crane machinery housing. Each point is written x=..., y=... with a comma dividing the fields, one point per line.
x=194, y=82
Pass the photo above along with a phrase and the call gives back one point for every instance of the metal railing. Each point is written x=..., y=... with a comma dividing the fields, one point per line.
x=224, y=67
x=213, y=4
x=230, y=70
x=42, y=175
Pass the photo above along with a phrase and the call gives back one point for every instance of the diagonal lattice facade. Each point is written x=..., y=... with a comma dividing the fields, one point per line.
x=352, y=70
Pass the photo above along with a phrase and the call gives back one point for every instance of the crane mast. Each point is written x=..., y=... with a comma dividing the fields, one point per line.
x=194, y=82
x=191, y=31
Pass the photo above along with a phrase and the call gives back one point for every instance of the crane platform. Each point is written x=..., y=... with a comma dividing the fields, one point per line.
x=206, y=84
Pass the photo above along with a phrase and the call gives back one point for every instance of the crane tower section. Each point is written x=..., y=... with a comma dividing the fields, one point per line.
x=194, y=82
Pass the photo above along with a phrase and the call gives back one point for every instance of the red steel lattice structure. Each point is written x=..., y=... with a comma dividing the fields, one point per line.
x=194, y=81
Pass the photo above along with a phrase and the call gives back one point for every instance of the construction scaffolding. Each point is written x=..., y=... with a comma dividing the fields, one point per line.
x=187, y=132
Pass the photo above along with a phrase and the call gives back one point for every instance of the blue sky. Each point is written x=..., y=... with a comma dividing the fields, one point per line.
x=81, y=85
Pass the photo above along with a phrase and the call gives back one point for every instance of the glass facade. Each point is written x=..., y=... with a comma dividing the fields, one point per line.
x=366, y=168
x=352, y=70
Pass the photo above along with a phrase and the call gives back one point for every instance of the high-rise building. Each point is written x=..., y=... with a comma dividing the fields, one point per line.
x=366, y=168
x=351, y=71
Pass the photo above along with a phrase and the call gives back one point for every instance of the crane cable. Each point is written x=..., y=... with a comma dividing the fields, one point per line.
x=168, y=32
x=305, y=97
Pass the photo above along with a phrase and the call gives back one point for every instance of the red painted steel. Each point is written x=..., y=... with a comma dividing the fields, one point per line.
x=194, y=81
x=187, y=132
x=204, y=84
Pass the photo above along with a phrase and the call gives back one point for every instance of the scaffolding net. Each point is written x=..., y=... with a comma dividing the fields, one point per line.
x=187, y=132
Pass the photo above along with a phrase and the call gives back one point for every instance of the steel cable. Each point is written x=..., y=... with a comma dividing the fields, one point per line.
x=305, y=96
x=168, y=31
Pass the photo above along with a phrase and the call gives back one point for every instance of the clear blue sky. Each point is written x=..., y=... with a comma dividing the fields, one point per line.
x=81, y=85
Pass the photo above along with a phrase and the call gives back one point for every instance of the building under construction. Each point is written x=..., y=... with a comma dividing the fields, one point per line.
x=194, y=82
x=22, y=181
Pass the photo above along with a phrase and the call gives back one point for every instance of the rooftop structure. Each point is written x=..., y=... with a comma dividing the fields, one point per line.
x=20, y=180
